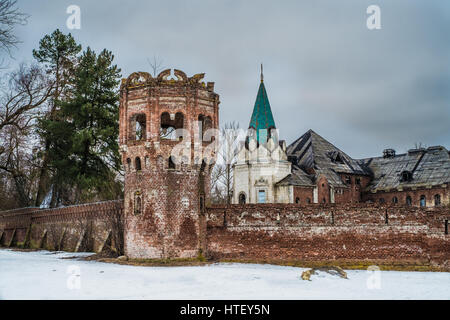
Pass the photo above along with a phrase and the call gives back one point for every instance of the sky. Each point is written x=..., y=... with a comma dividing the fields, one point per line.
x=363, y=90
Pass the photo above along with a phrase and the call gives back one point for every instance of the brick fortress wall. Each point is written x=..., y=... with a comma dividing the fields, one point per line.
x=86, y=227
x=261, y=232
x=353, y=232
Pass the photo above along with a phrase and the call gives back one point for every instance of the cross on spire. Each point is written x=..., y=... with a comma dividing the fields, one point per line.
x=262, y=75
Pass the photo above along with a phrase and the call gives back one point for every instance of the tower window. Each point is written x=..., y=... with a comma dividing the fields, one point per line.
x=140, y=127
x=128, y=163
x=297, y=200
x=308, y=200
x=394, y=200
x=138, y=164
x=137, y=203
x=170, y=125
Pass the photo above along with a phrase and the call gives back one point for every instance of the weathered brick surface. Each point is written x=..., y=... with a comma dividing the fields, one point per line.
x=64, y=226
x=270, y=232
x=163, y=209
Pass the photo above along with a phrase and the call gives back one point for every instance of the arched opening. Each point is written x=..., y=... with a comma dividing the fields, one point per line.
x=137, y=163
x=242, y=198
x=140, y=127
x=128, y=164
x=297, y=200
x=170, y=125
x=137, y=203
x=437, y=199
x=381, y=200
x=308, y=200
x=394, y=200
x=204, y=124
x=423, y=201
x=408, y=200
x=324, y=200
x=171, y=163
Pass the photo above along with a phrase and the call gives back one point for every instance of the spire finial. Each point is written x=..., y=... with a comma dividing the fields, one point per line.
x=262, y=75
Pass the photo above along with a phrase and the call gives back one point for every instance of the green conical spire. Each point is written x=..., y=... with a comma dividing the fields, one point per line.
x=262, y=117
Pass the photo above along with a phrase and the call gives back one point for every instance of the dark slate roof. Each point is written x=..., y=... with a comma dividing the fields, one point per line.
x=262, y=117
x=298, y=177
x=313, y=151
x=429, y=167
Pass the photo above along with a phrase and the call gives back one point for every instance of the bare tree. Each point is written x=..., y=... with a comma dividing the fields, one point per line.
x=156, y=65
x=10, y=17
x=22, y=98
x=27, y=90
x=228, y=151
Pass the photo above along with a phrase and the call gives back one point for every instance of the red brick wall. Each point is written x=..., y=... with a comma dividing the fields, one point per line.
x=303, y=194
x=328, y=232
x=94, y=218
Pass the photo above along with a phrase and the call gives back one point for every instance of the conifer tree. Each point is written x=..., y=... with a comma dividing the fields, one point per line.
x=87, y=156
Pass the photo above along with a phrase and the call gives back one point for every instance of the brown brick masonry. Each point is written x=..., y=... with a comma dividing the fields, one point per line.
x=289, y=232
x=265, y=232
x=73, y=228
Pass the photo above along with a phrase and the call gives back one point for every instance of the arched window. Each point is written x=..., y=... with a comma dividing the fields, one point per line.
x=297, y=200
x=170, y=124
x=437, y=199
x=408, y=200
x=381, y=200
x=423, y=201
x=308, y=200
x=137, y=203
x=171, y=163
x=128, y=163
x=242, y=198
x=140, y=127
x=138, y=164
x=394, y=200
x=323, y=200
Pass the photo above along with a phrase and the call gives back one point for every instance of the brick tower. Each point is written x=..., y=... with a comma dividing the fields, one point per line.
x=167, y=140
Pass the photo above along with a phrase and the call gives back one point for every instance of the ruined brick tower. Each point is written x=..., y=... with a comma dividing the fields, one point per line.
x=167, y=141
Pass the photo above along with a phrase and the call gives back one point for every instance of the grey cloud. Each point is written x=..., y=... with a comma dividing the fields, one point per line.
x=363, y=90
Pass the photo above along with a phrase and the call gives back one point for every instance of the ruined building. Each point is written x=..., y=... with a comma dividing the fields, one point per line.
x=319, y=203
x=312, y=170
x=164, y=139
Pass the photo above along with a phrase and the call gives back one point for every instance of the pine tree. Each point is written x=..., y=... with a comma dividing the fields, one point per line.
x=87, y=153
x=58, y=53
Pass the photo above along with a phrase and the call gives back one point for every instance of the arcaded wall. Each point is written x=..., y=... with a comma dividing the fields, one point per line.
x=76, y=228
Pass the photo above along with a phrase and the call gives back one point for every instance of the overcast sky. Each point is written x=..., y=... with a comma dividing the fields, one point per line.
x=363, y=90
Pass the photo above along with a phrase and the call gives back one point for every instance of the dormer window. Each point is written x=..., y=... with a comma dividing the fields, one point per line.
x=336, y=157
x=406, y=176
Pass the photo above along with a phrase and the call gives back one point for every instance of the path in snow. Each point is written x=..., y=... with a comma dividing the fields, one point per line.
x=44, y=275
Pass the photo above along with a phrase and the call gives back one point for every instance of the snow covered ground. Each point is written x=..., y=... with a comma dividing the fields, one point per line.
x=44, y=275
